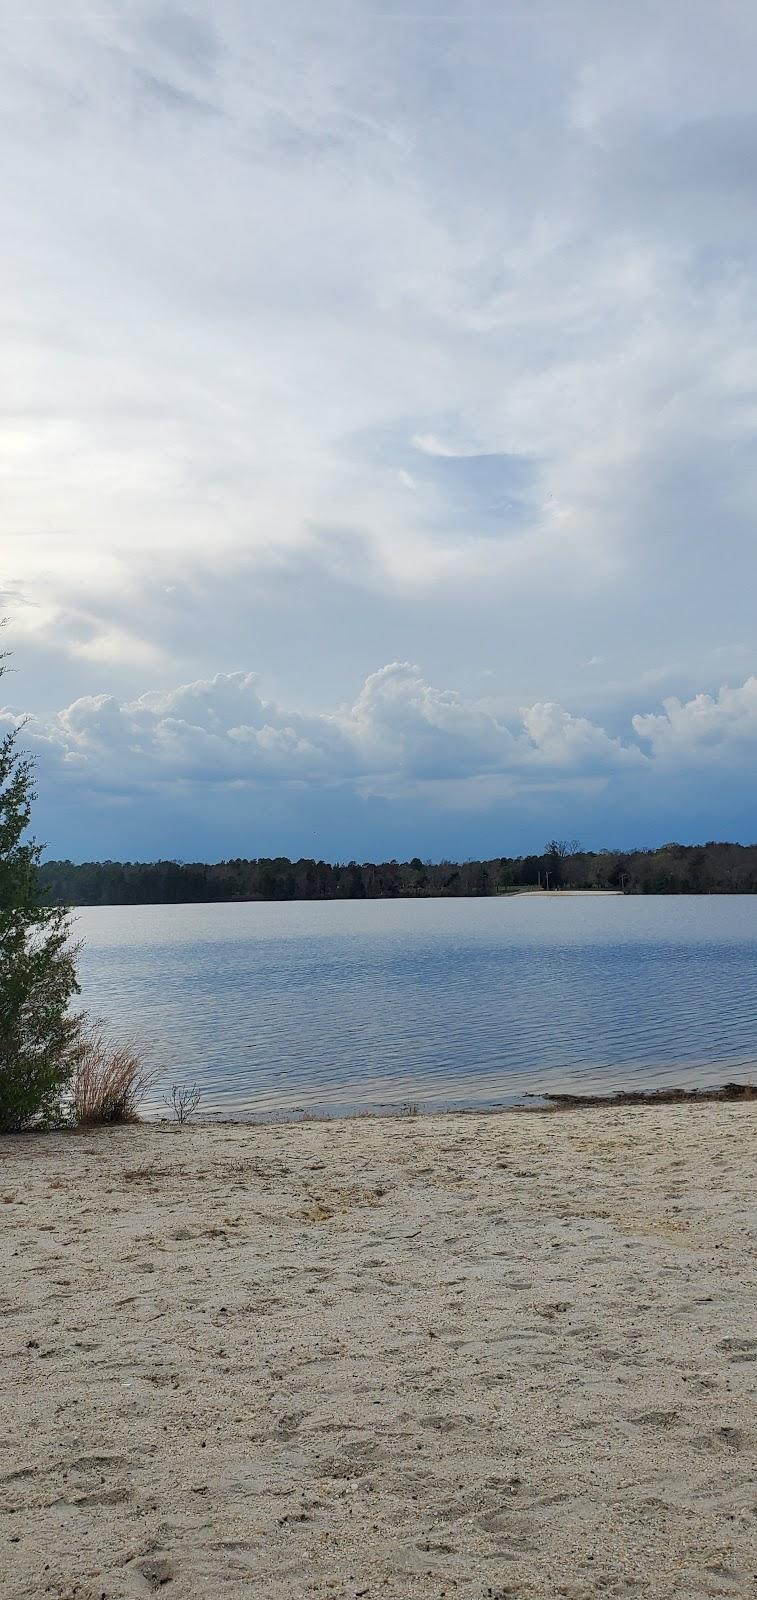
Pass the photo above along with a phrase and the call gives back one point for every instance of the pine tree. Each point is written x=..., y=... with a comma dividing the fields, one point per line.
x=38, y=1031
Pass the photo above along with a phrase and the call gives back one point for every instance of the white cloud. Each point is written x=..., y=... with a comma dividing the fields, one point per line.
x=212, y=731
x=430, y=445
x=573, y=744
x=403, y=748
x=401, y=730
x=709, y=729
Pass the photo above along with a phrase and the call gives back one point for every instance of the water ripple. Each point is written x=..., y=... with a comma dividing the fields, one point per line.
x=466, y=1002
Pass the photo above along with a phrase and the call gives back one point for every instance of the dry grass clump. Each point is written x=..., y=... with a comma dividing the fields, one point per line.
x=109, y=1081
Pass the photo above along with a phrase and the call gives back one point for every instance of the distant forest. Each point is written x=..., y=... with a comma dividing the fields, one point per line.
x=673, y=869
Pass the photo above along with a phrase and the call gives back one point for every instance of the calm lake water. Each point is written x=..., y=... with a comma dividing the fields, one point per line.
x=348, y=1004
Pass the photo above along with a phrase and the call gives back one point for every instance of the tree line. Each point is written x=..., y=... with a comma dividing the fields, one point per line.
x=712, y=868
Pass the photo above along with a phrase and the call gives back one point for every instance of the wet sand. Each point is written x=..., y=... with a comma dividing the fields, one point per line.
x=472, y=1356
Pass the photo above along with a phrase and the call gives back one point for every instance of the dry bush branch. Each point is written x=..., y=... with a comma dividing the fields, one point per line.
x=183, y=1101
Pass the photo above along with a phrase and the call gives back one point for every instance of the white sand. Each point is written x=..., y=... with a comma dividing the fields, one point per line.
x=473, y=1356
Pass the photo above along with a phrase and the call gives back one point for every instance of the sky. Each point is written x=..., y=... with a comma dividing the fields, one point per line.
x=378, y=427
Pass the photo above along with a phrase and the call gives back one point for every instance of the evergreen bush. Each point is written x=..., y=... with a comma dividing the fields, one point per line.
x=39, y=1034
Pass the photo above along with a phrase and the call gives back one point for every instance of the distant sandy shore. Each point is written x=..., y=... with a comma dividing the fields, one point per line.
x=471, y=1356
x=567, y=894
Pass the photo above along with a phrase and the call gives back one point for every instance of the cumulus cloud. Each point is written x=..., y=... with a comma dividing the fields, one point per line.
x=401, y=723
x=213, y=731
x=217, y=754
x=713, y=730
x=401, y=730
x=573, y=744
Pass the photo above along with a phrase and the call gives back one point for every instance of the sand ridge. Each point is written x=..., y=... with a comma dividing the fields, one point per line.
x=472, y=1356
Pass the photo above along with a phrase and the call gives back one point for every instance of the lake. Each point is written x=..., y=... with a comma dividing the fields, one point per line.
x=347, y=1005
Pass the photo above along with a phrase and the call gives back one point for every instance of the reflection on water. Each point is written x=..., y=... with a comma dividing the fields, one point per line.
x=349, y=1004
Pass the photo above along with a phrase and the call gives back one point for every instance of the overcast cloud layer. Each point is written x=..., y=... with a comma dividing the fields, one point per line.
x=342, y=337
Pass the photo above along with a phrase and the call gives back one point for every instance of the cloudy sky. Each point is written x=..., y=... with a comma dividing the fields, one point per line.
x=378, y=447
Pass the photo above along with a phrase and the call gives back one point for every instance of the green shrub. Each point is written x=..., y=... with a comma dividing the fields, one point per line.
x=39, y=1035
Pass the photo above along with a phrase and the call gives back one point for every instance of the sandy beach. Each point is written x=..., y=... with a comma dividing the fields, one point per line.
x=475, y=1356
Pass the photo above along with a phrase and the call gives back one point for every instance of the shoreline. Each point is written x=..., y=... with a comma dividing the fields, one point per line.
x=550, y=1103
x=546, y=1103
x=400, y=1358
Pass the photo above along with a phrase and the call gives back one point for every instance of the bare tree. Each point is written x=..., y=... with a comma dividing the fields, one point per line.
x=559, y=853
